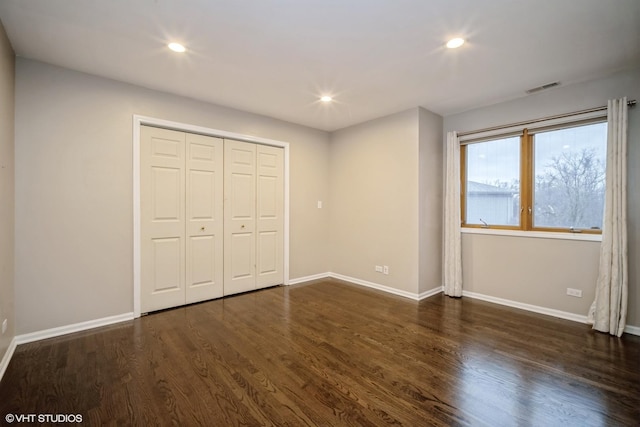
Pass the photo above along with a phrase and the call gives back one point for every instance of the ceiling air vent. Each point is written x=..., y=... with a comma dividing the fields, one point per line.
x=543, y=87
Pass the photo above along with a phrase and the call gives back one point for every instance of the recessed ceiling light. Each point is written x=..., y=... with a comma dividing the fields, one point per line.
x=326, y=98
x=176, y=47
x=454, y=43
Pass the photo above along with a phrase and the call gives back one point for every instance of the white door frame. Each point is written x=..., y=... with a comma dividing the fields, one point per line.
x=184, y=127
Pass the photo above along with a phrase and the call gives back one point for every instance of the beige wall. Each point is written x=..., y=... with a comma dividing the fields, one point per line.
x=74, y=209
x=430, y=198
x=538, y=271
x=503, y=267
x=7, y=85
x=373, y=200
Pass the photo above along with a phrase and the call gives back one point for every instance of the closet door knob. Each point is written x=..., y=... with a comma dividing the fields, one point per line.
x=202, y=228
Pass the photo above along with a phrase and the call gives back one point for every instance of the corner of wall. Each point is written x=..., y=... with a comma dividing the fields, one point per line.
x=430, y=198
x=373, y=201
x=7, y=200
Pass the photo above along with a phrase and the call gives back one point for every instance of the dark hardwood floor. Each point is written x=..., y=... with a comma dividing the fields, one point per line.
x=330, y=353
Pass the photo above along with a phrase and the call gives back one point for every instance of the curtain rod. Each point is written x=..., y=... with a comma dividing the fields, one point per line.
x=631, y=103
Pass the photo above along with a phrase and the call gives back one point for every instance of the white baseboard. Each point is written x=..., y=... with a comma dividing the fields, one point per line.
x=4, y=364
x=308, y=278
x=429, y=293
x=633, y=330
x=377, y=286
x=356, y=281
x=76, y=327
x=528, y=307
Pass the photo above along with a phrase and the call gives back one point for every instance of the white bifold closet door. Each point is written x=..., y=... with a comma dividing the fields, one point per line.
x=212, y=217
x=254, y=217
x=181, y=183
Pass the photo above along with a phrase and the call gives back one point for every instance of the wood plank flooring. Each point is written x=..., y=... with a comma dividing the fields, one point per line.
x=330, y=353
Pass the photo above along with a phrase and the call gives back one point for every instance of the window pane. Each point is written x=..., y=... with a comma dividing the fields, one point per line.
x=569, y=168
x=493, y=182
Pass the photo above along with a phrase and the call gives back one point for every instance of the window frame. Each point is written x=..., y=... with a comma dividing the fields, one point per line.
x=527, y=179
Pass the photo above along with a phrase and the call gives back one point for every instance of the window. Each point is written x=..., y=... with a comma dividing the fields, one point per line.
x=543, y=179
x=570, y=177
x=493, y=182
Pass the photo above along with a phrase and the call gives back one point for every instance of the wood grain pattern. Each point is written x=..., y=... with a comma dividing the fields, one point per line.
x=330, y=353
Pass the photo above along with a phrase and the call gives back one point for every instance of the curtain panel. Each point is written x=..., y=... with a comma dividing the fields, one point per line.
x=452, y=262
x=609, y=310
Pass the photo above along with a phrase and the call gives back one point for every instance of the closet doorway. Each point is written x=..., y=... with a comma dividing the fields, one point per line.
x=210, y=214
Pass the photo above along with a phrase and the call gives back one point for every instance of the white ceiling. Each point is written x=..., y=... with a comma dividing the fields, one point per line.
x=375, y=57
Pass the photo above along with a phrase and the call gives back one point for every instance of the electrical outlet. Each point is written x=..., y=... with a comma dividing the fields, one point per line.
x=385, y=269
x=4, y=326
x=379, y=268
x=574, y=292
x=319, y=204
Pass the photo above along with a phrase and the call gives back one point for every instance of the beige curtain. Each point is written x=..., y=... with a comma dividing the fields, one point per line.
x=452, y=263
x=609, y=310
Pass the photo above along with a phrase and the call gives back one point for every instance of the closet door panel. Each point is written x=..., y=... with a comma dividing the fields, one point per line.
x=204, y=213
x=240, y=217
x=162, y=218
x=270, y=216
